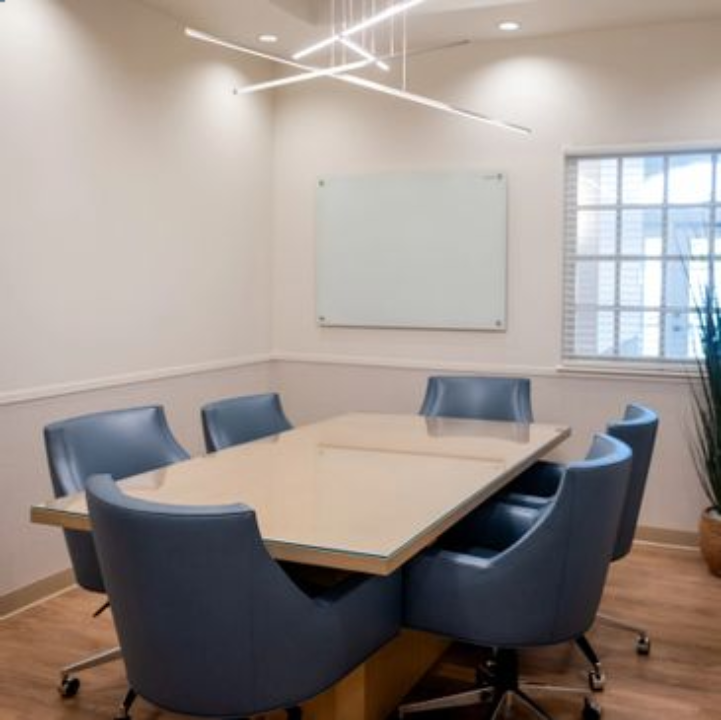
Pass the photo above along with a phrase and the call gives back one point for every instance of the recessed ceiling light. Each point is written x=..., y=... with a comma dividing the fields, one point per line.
x=509, y=26
x=268, y=38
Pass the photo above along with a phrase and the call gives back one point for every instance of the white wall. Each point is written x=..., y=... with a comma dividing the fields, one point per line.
x=135, y=221
x=641, y=85
x=135, y=192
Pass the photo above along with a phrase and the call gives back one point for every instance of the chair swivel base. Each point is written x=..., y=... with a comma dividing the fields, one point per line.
x=69, y=685
x=501, y=689
x=643, y=641
x=596, y=676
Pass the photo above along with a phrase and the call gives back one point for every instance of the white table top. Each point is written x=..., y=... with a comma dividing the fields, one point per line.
x=361, y=492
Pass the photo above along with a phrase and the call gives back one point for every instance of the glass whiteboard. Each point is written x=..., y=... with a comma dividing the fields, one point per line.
x=412, y=251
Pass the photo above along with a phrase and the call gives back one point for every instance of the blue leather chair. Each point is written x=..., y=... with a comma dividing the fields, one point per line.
x=210, y=625
x=537, y=486
x=123, y=443
x=535, y=581
x=242, y=419
x=479, y=398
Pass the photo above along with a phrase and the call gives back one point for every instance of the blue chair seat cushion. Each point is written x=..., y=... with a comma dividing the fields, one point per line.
x=481, y=552
x=536, y=487
x=491, y=528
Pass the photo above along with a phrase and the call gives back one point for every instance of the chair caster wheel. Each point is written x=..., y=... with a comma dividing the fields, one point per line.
x=591, y=710
x=643, y=645
x=123, y=714
x=596, y=680
x=69, y=687
x=483, y=677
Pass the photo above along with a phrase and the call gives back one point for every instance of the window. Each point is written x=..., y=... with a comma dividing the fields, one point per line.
x=643, y=241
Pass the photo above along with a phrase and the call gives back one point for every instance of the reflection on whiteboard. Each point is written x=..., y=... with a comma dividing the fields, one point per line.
x=412, y=251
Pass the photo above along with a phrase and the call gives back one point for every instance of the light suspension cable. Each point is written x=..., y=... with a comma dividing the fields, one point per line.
x=358, y=27
x=360, y=50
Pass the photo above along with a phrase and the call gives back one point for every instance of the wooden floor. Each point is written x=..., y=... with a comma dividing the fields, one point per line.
x=669, y=591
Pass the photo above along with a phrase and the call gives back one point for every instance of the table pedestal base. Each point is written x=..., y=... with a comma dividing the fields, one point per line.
x=373, y=690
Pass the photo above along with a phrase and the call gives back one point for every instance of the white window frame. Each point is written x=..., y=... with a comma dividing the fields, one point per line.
x=572, y=361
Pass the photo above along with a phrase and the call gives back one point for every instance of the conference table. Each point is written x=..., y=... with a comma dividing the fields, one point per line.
x=361, y=492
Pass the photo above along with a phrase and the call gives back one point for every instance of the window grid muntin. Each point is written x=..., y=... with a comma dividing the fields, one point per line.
x=664, y=251
x=617, y=281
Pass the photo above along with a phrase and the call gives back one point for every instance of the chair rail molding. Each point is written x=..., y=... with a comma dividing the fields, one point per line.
x=43, y=392
x=552, y=371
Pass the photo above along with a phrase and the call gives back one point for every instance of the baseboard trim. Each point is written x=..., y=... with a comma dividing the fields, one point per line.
x=17, y=397
x=20, y=599
x=664, y=536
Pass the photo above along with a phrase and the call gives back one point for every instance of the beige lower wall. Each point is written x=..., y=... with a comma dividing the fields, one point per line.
x=30, y=553
x=315, y=389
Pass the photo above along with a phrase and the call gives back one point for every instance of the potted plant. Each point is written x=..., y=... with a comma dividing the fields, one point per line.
x=706, y=445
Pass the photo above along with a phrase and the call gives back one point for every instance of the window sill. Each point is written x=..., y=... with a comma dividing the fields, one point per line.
x=627, y=370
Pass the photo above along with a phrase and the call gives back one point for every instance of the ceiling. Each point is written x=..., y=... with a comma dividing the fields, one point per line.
x=301, y=22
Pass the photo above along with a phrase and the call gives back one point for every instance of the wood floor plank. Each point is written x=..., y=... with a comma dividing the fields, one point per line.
x=668, y=591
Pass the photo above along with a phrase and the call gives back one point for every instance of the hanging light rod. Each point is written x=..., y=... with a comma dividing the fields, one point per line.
x=214, y=40
x=431, y=103
x=359, y=27
x=310, y=72
x=302, y=77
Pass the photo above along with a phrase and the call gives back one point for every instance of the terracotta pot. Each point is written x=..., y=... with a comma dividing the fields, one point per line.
x=710, y=540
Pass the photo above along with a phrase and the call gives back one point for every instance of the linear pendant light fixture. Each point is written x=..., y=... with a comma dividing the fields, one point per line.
x=342, y=72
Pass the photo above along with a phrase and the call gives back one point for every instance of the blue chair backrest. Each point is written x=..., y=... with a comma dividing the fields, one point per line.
x=118, y=442
x=590, y=502
x=479, y=398
x=543, y=588
x=209, y=624
x=243, y=419
x=567, y=554
x=638, y=430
